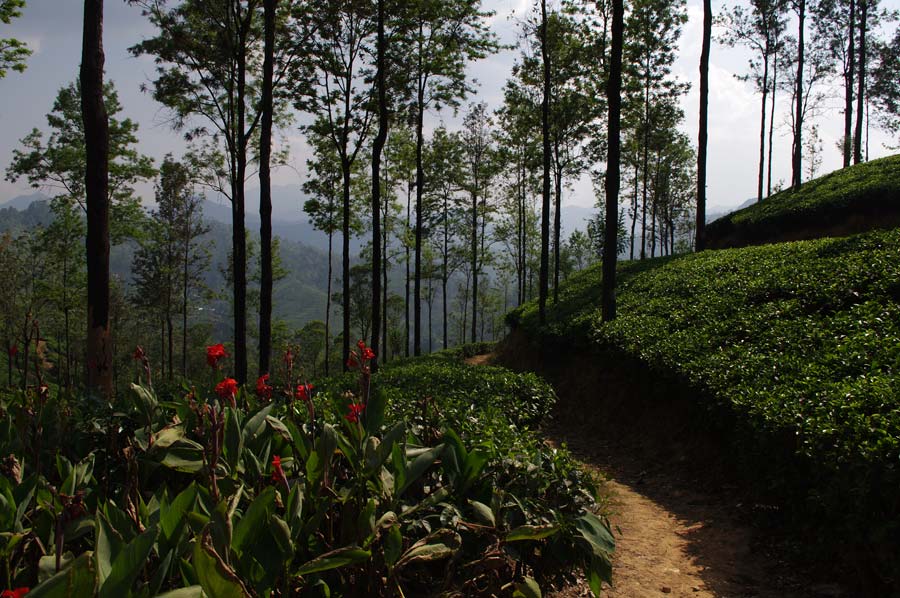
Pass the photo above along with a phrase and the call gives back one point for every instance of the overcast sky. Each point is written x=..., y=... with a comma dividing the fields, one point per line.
x=52, y=29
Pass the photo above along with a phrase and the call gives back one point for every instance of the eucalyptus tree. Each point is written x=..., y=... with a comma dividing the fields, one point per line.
x=613, y=135
x=266, y=109
x=57, y=162
x=209, y=76
x=756, y=29
x=654, y=28
x=401, y=158
x=700, y=238
x=324, y=186
x=13, y=52
x=835, y=23
x=340, y=94
x=445, y=35
x=884, y=89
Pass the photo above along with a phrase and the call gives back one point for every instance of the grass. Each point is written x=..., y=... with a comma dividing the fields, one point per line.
x=853, y=199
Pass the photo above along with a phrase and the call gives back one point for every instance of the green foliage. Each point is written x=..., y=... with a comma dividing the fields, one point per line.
x=13, y=52
x=794, y=346
x=439, y=484
x=868, y=190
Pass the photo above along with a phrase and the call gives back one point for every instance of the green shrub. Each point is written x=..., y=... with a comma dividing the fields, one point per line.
x=422, y=479
x=853, y=199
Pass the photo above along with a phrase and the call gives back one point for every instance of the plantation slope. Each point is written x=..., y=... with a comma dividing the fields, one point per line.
x=856, y=199
x=792, y=349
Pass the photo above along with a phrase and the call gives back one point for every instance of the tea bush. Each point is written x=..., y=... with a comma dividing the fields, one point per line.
x=423, y=479
x=859, y=197
x=796, y=343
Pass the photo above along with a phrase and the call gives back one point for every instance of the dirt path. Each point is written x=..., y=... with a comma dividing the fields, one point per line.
x=675, y=535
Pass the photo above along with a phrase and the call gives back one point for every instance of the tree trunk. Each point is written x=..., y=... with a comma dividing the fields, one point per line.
x=328, y=303
x=634, y=201
x=700, y=242
x=184, y=296
x=772, y=119
x=848, y=86
x=406, y=243
x=96, y=142
x=614, y=103
x=797, y=158
x=557, y=226
x=265, y=193
x=446, y=255
x=384, y=280
x=474, y=250
x=420, y=182
x=861, y=80
x=377, y=148
x=345, y=265
x=545, y=206
x=762, y=118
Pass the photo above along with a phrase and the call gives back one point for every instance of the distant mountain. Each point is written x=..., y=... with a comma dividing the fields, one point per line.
x=21, y=202
x=716, y=214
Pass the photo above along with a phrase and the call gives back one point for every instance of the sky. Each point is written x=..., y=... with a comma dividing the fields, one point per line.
x=52, y=29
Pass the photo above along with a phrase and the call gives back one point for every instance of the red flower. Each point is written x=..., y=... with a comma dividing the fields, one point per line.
x=263, y=390
x=227, y=388
x=368, y=353
x=277, y=472
x=288, y=358
x=304, y=392
x=352, y=363
x=361, y=344
x=139, y=354
x=356, y=410
x=13, y=351
x=214, y=353
x=17, y=593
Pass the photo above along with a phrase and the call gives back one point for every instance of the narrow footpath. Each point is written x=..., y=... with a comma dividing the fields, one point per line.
x=675, y=536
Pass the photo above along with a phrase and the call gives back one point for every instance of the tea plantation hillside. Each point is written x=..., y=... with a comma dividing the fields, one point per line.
x=793, y=349
x=852, y=200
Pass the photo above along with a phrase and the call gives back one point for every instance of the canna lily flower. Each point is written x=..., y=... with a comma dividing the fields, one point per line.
x=17, y=593
x=227, y=388
x=278, y=473
x=361, y=344
x=304, y=392
x=214, y=353
x=368, y=353
x=356, y=410
x=263, y=390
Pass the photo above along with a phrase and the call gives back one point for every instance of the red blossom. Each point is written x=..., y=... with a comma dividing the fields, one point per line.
x=277, y=471
x=356, y=410
x=139, y=354
x=227, y=388
x=263, y=390
x=17, y=593
x=304, y=392
x=368, y=353
x=214, y=353
x=352, y=363
x=361, y=344
x=13, y=351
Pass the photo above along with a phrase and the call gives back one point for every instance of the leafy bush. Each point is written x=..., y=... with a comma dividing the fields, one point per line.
x=798, y=344
x=421, y=479
x=858, y=198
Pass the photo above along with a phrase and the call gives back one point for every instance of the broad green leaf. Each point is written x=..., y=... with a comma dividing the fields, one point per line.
x=172, y=519
x=597, y=534
x=184, y=455
x=234, y=440
x=217, y=579
x=108, y=545
x=483, y=513
x=78, y=579
x=47, y=565
x=393, y=545
x=433, y=547
x=256, y=425
x=420, y=465
x=127, y=565
x=532, y=532
x=599, y=570
x=349, y=555
x=527, y=588
x=255, y=520
x=373, y=418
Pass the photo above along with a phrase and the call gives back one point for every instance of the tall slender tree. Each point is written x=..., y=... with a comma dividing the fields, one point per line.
x=614, y=103
x=377, y=149
x=545, y=187
x=863, y=23
x=267, y=108
x=700, y=241
x=96, y=186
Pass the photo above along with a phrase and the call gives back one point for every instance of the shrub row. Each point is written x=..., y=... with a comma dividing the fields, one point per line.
x=799, y=343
